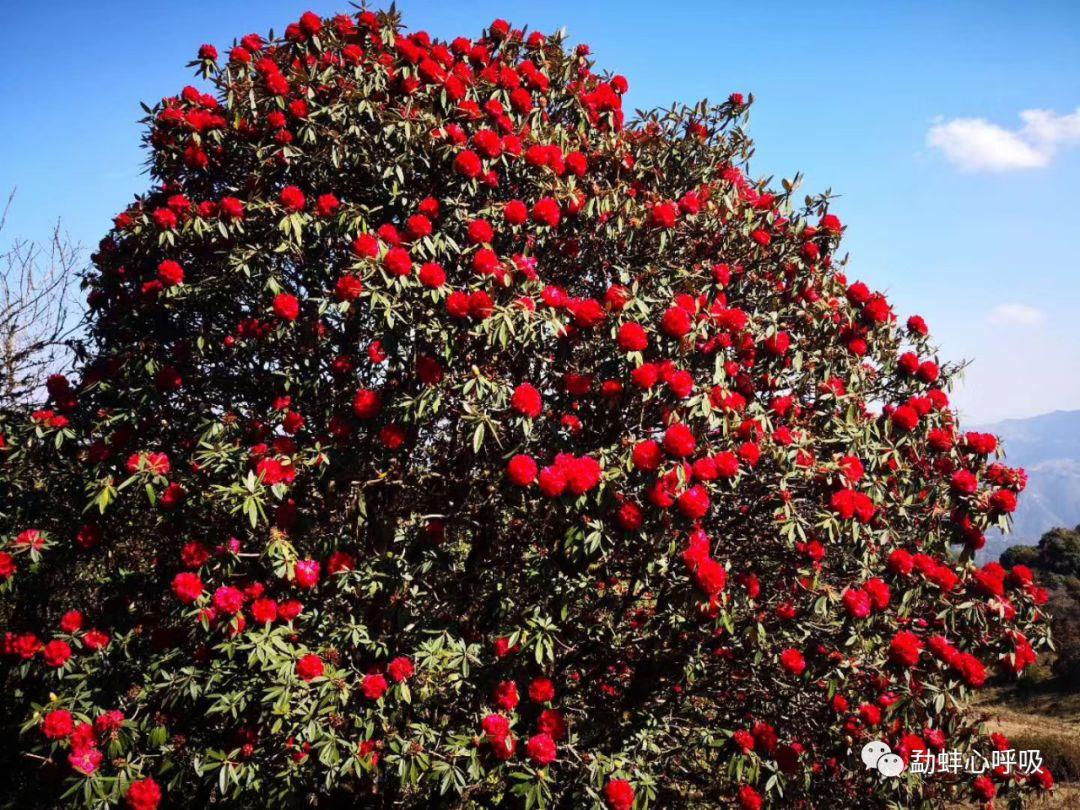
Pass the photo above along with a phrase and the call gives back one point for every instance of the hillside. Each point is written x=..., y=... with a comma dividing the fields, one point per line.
x=1048, y=447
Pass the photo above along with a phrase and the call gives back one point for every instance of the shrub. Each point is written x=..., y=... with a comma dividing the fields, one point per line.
x=1056, y=563
x=1060, y=753
x=440, y=438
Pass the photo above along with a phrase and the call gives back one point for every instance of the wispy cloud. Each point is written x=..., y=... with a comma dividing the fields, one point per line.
x=975, y=144
x=1015, y=315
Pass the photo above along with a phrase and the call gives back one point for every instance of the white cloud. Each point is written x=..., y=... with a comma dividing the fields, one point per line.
x=1015, y=315
x=975, y=144
x=1046, y=126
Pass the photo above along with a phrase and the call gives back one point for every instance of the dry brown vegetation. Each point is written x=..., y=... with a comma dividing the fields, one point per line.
x=1042, y=718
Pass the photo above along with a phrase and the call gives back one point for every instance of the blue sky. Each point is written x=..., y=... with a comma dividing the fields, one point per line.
x=957, y=206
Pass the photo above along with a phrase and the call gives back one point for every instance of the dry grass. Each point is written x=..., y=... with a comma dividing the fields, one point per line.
x=1048, y=721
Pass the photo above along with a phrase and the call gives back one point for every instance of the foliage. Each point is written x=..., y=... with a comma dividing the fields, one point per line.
x=1056, y=562
x=1056, y=556
x=443, y=439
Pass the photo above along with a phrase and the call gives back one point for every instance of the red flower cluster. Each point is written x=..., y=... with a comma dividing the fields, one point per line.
x=426, y=405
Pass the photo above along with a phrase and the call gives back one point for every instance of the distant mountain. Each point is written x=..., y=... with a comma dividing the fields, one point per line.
x=1048, y=447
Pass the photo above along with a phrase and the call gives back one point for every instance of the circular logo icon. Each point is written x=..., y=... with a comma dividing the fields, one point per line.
x=877, y=755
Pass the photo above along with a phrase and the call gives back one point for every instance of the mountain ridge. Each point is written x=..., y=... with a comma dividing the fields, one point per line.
x=1047, y=446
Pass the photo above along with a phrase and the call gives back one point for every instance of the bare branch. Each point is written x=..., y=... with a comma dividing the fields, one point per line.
x=36, y=286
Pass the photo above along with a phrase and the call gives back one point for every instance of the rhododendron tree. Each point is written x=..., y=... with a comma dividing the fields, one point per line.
x=443, y=436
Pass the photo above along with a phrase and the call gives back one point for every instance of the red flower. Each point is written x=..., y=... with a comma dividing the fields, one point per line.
x=71, y=622
x=365, y=246
x=619, y=795
x=231, y=208
x=1002, y=501
x=726, y=463
x=95, y=640
x=551, y=721
x=709, y=575
x=264, y=611
x=870, y=714
x=905, y=418
x=848, y=504
x=546, y=212
x=326, y=205
x=495, y=726
x=310, y=23
x=676, y=322
x=398, y=262
x=307, y=573
x=367, y=403
x=793, y=662
x=515, y=212
x=526, y=401
x=749, y=799
x=85, y=760
x=984, y=788
x=506, y=696
x=778, y=343
x=990, y=579
x=289, y=610
x=400, y=669
x=292, y=199
x=374, y=686
x=964, y=482
x=694, y=502
x=943, y=576
x=630, y=516
x=57, y=724
x=541, y=690
x=348, y=288
x=143, y=794
x=663, y=215
x=971, y=669
x=165, y=219
x=228, y=599
x=7, y=566
x=340, y=561
x=541, y=749
x=679, y=441
x=480, y=232
x=900, y=562
x=522, y=470
x=309, y=667
x=187, y=587
x=632, y=338
x=904, y=649
x=418, y=226
x=432, y=275
x=878, y=592
x=503, y=747
x=170, y=273
x=467, y=163
x=286, y=306
x=857, y=603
